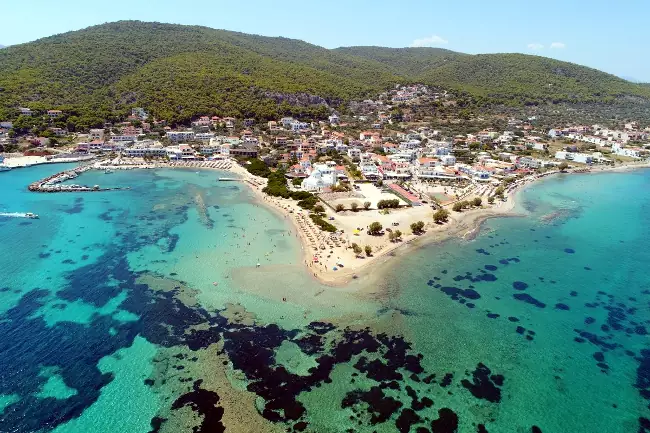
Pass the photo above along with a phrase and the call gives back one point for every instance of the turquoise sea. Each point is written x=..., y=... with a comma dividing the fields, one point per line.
x=144, y=311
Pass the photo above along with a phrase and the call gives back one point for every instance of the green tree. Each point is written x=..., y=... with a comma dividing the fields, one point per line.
x=398, y=234
x=440, y=216
x=368, y=250
x=417, y=227
x=499, y=191
x=391, y=236
x=297, y=181
x=366, y=205
x=354, y=206
x=477, y=201
x=319, y=208
x=356, y=249
x=340, y=207
x=458, y=207
x=491, y=199
x=375, y=228
x=563, y=166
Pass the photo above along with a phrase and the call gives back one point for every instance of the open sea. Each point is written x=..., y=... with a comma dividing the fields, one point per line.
x=144, y=311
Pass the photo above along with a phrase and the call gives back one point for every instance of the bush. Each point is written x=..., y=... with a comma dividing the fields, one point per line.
x=368, y=250
x=354, y=206
x=319, y=208
x=366, y=205
x=458, y=206
x=491, y=199
x=375, y=228
x=477, y=201
x=324, y=225
x=563, y=166
x=417, y=227
x=392, y=203
x=499, y=191
x=356, y=249
x=398, y=234
x=297, y=181
x=340, y=207
x=441, y=216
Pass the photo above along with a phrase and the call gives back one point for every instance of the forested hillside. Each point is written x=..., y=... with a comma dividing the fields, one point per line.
x=177, y=72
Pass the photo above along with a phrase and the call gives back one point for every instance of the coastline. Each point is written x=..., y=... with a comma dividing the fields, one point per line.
x=321, y=253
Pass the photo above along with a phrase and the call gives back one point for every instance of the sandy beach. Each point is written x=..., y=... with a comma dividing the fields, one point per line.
x=328, y=257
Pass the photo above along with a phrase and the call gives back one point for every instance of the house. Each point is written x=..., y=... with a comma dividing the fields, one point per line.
x=528, y=162
x=354, y=153
x=124, y=138
x=25, y=111
x=203, y=136
x=177, y=136
x=273, y=126
x=180, y=151
x=536, y=145
x=286, y=122
x=96, y=135
x=141, y=152
x=281, y=141
x=448, y=160
x=334, y=119
x=245, y=150
x=59, y=132
x=139, y=113
x=203, y=121
x=366, y=135
x=574, y=156
x=229, y=122
x=53, y=114
x=555, y=133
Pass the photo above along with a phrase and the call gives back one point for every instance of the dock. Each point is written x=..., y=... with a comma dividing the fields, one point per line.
x=52, y=183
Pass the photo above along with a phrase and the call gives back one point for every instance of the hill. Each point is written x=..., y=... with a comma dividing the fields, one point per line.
x=504, y=78
x=178, y=72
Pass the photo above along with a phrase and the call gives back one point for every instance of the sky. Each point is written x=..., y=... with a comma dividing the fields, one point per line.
x=602, y=34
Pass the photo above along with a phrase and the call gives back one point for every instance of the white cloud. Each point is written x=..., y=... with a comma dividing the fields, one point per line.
x=431, y=41
x=558, y=45
x=535, y=47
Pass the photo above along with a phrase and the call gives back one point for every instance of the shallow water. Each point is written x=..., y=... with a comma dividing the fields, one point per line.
x=143, y=310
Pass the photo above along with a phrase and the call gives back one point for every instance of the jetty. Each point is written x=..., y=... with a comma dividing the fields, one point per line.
x=53, y=183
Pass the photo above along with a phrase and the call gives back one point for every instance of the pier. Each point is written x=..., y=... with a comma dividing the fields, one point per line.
x=53, y=183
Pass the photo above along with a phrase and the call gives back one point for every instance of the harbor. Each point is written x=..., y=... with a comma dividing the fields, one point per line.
x=52, y=184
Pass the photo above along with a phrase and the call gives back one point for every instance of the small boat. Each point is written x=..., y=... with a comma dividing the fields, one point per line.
x=108, y=171
x=31, y=215
x=4, y=168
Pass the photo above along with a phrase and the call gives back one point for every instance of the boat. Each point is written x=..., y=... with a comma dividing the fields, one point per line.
x=108, y=171
x=19, y=215
x=4, y=168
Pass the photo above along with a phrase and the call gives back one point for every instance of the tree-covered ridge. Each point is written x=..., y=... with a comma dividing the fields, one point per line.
x=178, y=72
x=412, y=62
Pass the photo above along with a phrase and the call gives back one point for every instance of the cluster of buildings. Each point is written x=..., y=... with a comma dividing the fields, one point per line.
x=620, y=141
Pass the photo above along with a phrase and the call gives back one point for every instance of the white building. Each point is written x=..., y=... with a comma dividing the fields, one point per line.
x=177, y=136
x=575, y=157
x=354, y=153
x=448, y=160
x=322, y=176
x=129, y=138
x=141, y=152
x=25, y=111
x=96, y=135
x=203, y=136
x=181, y=151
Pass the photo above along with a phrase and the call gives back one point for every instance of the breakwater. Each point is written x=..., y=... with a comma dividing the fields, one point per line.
x=54, y=182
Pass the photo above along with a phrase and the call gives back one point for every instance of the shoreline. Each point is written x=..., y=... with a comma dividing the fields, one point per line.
x=321, y=252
